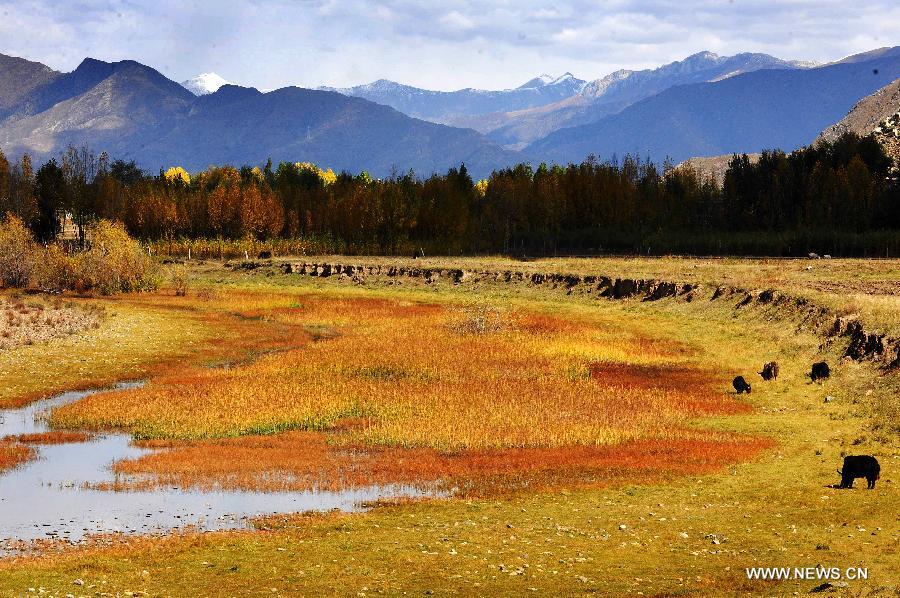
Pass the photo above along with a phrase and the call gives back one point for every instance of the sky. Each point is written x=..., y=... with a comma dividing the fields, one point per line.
x=445, y=45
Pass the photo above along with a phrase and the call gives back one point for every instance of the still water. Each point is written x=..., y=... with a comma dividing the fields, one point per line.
x=49, y=497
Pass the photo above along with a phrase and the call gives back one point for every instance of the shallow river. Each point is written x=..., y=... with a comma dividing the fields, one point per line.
x=46, y=497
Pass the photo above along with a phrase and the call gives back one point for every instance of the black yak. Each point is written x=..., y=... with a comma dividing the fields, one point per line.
x=264, y=255
x=740, y=385
x=859, y=466
x=770, y=371
x=820, y=371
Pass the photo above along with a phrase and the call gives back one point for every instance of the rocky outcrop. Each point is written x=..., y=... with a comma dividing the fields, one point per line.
x=878, y=115
x=862, y=344
x=867, y=114
x=888, y=135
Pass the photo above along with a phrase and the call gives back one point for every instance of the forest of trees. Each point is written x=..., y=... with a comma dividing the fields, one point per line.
x=834, y=198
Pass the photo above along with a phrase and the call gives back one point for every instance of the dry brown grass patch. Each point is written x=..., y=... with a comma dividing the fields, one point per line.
x=308, y=460
x=35, y=320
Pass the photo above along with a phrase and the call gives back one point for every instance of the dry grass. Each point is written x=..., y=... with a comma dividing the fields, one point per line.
x=52, y=437
x=864, y=286
x=35, y=320
x=385, y=390
x=12, y=454
x=142, y=335
x=308, y=461
x=418, y=382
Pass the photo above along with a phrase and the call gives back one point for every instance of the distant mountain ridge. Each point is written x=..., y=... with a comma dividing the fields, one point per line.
x=134, y=112
x=442, y=106
x=762, y=109
x=616, y=91
x=701, y=67
x=705, y=105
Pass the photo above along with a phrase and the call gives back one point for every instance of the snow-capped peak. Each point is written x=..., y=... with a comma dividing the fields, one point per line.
x=204, y=84
x=547, y=80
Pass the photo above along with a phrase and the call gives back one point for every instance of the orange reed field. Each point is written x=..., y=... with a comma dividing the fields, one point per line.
x=12, y=454
x=364, y=390
x=309, y=460
x=15, y=450
x=52, y=437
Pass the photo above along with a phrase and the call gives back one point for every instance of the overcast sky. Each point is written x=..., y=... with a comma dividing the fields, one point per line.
x=447, y=44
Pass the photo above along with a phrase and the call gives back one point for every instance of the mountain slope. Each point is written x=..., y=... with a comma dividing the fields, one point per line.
x=18, y=78
x=443, y=106
x=714, y=166
x=107, y=106
x=885, y=52
x=866, y=114
x=237, y=125
x=616, y=91
x=132, y=111
x=877, y=114
x=763, y=109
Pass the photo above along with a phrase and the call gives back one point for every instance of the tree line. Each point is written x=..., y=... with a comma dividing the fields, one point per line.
x=836, y=197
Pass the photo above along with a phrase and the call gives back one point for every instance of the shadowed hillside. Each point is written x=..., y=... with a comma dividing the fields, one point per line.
x=764, y=109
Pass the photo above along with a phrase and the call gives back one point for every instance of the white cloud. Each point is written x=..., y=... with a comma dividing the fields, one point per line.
x=451, y=44
x=457, y=20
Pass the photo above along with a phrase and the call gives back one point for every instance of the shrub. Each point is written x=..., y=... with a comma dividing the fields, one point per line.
x=480, y=319
x=17, y=252
x=115, y=262
x=179, y=278
x=55, y=271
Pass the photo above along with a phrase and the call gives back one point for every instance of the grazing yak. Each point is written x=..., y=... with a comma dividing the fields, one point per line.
x=740, y=385
x=820, y=371
x=859, y=466
x=770, y=371
x=264, y=255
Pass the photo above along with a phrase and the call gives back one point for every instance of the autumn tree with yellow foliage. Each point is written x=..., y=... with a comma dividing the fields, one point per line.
x=177, y=174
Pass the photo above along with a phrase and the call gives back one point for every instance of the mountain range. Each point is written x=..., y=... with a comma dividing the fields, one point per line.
x=762, y=109
x=133, y=112
x=613, y=93
x=704, y=105
x=447, y=106
x=877, y=114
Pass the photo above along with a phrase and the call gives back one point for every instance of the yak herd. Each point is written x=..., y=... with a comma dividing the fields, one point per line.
x=855, y=466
